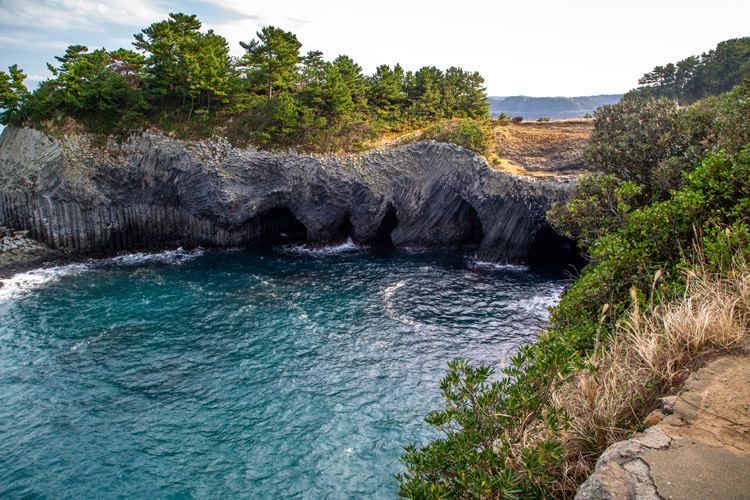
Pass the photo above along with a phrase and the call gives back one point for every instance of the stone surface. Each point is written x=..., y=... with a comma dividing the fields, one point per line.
x=693, y=470
x=151, y=191
x=612, y=483
x=699, y=451
x=19, y=251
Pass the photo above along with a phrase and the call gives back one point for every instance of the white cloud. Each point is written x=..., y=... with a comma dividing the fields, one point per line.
x=31, y=41
x=77, y=14
x=534, y=47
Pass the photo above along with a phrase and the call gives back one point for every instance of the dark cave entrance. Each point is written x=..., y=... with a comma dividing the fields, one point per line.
x=278, y=225
x=344, y=230
x=551, y=248
x=387, y=224
x=468, y=226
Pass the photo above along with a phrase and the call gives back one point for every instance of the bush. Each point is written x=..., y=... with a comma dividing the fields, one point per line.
x=503, y=119
x=534, y=434
x=469, y=133
x=630, y=138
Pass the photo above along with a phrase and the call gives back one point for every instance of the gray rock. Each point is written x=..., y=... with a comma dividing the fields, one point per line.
x=151, y=191
x=612, y=483
x=620, y=469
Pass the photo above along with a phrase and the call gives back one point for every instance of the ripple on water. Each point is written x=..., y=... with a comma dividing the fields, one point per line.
x=247, y=374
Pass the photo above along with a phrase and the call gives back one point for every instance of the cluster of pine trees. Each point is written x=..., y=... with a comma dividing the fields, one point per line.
x=697, y=77
x=178, y=74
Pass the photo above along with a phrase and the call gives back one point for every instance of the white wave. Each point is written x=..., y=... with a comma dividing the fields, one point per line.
x=539, y=304
x=389, y=310
x=24, y=282
x=83, y=344
x=416, y=250
x=140, y=258
x=484, y=265
x=348, y=246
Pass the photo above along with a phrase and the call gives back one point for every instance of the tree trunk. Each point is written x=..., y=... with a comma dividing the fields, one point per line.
x=192, y=100
x=270, y=65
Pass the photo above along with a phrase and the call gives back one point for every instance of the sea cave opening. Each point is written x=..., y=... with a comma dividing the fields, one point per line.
x=468, y=225
x=278, y=225
x=344, y=230
x=551, y=248
x=387, y=224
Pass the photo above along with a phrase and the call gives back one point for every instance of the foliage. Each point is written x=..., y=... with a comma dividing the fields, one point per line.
x=697, y=77
x=631, y=138
x=272, y=60
x=182, y=79
x=469, y=133
x=484, y=422
x=517, y=437
x=13, y=95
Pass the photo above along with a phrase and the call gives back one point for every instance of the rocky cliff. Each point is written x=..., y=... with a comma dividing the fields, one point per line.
x=150, y=191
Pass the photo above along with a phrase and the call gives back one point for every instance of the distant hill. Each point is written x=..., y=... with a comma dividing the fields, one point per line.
x=532, y=108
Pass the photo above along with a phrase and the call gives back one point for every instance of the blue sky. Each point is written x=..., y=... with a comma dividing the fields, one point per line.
x=532, y=47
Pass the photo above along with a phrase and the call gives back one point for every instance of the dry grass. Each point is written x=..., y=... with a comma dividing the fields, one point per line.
x=540, y=149
x=651, y=352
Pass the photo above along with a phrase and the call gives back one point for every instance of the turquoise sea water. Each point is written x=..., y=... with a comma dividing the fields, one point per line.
x=267, y=374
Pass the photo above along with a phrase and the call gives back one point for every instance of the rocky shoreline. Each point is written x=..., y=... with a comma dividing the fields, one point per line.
x=90, y=194
x=19, y=252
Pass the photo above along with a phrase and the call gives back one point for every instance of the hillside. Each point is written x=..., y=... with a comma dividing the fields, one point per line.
x=556, y=108
x=540, y=149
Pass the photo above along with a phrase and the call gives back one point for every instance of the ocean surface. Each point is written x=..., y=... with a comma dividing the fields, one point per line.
x=264, y=374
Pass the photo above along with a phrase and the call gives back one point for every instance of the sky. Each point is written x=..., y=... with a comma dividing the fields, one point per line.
x=525, y=47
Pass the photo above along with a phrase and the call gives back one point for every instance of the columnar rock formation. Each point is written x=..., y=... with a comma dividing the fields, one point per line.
x=150, y=191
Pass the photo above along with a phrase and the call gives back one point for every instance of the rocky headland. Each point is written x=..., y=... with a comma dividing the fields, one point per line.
x=88, y=194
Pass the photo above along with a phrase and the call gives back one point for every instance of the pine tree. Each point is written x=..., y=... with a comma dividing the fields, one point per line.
x=167, y=43
x=13, y=95
x=272, y=59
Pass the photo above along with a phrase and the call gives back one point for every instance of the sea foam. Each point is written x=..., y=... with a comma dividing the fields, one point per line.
x=22, y=283
x=347, y=246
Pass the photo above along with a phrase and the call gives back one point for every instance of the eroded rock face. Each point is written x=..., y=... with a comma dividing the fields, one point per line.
x=151, y=191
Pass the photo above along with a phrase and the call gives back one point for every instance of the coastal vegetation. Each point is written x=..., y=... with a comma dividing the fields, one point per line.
x=697, y=77
x=664, y=220
x=183, y=81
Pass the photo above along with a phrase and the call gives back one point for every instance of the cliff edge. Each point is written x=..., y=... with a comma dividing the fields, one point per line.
x=698, y=447
x=150, y=191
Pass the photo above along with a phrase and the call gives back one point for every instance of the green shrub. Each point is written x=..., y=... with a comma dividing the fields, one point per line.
x=470, y=133
x=506, y=438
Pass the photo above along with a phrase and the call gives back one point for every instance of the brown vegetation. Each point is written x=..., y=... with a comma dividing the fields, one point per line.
x=540, y=149
x=650, y=354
